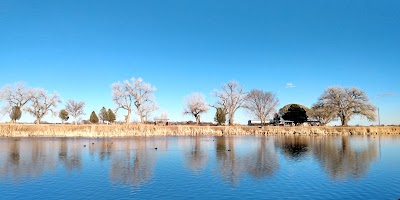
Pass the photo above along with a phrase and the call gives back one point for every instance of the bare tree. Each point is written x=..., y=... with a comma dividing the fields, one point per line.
x=123, y=98
x=42, y=103
x=346, y=102
x=231, y=98
x=164, y=115
x=17, y=95
x=323, y=113
x=261, y=104
x=147, y=109
x=137, y=92
x=195, y=105
x=75, y=109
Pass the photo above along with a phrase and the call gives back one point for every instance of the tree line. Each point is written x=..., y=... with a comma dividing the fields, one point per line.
x=135, y=95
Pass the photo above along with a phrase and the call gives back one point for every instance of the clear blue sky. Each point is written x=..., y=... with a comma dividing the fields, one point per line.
x=79, y=48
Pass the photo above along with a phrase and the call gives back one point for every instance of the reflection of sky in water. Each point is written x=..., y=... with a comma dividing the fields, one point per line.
x=201, y=167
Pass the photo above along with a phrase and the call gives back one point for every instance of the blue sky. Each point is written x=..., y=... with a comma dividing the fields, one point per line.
x=79, y=48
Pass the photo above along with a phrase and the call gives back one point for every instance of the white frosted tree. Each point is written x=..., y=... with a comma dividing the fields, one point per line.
x=123, y=99
x=147, y=109
x=195, y=105
x=75, y=109
x=42, y=103
x=136, y=92
x=17, y=95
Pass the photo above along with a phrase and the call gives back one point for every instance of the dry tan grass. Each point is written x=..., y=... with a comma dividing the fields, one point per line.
x=18, y=130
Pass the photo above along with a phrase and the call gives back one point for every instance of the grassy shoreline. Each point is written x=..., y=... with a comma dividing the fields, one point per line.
x=110, y=131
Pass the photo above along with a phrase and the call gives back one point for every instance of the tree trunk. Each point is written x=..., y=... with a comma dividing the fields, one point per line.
x=262, y=121
x=345, y=121
x=142, y=120
x=128, y=117
x=231, y=118
x=38, y=120
x=198, y=119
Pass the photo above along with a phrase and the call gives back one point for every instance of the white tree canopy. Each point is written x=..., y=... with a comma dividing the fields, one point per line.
x=195, y=105
x=15, y=95
x=42, y=103
x=136, y=92
x=75, y=109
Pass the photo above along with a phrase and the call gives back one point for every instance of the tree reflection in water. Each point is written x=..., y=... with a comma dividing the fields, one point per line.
x=70, y=154
x=102, y=148
x=196, y=157
x=134, y=164
x=264, y=161
x=341, y=159
x=229, y=165
x=26, y=158
x=293, y=147
x=259, y=163
x=133, y=160
x=14, y=156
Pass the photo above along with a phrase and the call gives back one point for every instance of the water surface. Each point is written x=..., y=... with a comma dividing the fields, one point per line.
x=274, y=167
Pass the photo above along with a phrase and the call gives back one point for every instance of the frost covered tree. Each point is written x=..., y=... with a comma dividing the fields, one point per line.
x=15, y=95
x=136, y=92
x=195, y=105
x=75, y=109
x=42, y=103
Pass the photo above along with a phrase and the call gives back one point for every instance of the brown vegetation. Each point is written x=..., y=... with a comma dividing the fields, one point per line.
x=132, y=130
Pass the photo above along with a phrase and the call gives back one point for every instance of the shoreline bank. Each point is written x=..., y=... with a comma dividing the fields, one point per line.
x=111, y=131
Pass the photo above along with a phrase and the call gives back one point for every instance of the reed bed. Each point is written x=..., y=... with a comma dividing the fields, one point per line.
x=132, y=130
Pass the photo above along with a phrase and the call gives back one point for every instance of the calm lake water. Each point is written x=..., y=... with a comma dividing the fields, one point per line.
x=275, y=167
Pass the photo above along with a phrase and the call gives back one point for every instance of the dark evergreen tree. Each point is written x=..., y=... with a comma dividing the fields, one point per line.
x=64, y=115
x=277, y=119
x=111, y=116
x=220, y=116
x=93, y=118
x=15, y=114
x=296, y=114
